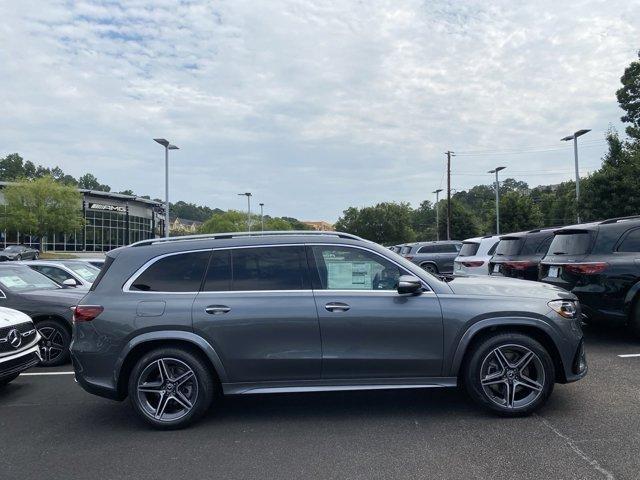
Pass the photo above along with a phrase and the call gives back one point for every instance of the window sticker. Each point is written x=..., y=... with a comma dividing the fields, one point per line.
x=12, y=281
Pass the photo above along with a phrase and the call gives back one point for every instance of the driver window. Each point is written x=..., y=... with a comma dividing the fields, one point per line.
x=54, y=273
x=345, y=268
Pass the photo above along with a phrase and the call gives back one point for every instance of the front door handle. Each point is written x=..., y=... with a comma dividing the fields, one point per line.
x=337, y=307
x=217, y=309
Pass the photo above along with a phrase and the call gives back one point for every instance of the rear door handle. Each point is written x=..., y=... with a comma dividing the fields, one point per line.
x=217, y=309
x=337, y=307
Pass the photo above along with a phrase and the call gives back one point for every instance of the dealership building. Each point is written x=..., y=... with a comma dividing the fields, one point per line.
x=110, y=220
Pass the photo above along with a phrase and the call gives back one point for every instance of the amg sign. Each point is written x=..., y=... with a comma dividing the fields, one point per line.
x=108, y=208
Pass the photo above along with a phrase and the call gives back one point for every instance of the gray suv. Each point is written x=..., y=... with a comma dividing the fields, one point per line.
x=434, y=257
x=171, y=322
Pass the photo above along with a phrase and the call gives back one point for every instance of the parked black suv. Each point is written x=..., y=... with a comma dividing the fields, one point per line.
x=172, y=321
x=518, y=254
x=600, y=263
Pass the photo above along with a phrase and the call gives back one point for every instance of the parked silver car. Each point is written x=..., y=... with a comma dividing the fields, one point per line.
x=70, y=273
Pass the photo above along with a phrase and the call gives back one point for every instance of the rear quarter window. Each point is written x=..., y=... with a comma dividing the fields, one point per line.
x=509, y=246
x=631, y=242
x=181, y=272
x=103, y=270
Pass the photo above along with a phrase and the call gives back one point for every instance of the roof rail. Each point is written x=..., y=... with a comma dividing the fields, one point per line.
x=620, y=219
x=220, y=236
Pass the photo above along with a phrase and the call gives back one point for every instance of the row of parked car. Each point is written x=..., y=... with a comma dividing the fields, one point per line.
x=599, y=262
x=36, y=301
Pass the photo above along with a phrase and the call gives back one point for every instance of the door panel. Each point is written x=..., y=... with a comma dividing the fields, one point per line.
x=381, y=334
x=369, y=330
x=261, y=336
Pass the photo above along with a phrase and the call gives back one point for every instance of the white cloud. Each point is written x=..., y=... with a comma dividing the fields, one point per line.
x=313, y=106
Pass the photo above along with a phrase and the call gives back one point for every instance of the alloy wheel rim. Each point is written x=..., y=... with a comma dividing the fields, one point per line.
x=167, y=389
x=512, y=376
x=52, y=343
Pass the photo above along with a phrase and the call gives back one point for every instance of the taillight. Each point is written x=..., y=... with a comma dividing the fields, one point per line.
x=586, y=268
x=86, y=313
x=409, y=257
x=475, y=263
x=519, y=265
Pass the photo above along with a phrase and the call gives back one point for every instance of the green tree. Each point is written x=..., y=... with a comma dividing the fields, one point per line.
x=90, y=182
x=230, y=221
x=387, y=223
x=464, y=222
x=41, y=207
x=518, y=212
x=629, y=98
x=12, y=168
x=423, y=221
x=272, y=224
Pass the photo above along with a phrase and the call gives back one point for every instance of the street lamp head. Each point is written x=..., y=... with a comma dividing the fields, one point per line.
x=261, y=204
x=437, y=191
x=567, y=138
x=172, y=147
x=162, y=141
x=579, y=133
x=496, y=170
x=245, y=194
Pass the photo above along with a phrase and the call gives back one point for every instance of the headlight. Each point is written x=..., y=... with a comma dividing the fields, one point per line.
x=564, y=308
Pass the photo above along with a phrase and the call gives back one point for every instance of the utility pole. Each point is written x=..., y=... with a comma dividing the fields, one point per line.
x=167, y=146
x=449, y=154
x=248, y=195
x=437, y=192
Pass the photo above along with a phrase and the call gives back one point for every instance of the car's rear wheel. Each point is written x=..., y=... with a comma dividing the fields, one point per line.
x=8, y=379
x=430, y=267
x=510, y=373
x=170, y=388
x=54, y=345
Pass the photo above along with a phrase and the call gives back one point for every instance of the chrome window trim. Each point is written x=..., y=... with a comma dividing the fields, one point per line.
x=2, y=294
x=148, y=263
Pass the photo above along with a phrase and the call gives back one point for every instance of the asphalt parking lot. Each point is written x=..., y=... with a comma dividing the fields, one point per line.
x=50, y=428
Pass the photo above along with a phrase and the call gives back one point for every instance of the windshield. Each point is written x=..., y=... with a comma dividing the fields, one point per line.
x=25, y=279
x=509, y=246
x=86, y=272
x=576, y=243
x=469, y=249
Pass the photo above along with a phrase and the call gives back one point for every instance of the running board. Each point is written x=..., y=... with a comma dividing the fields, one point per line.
x=323, y=386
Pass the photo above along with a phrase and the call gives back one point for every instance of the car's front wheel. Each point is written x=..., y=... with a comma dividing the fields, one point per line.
x=509, y=373
x=430, y=267
x=170, y=388
x=54, y=344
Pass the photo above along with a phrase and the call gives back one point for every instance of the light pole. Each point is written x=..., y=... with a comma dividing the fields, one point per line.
x=496, y=170
x=262, y=217
x=574, y=137
x=248, y=195
x=437, y=214
x=167, y=146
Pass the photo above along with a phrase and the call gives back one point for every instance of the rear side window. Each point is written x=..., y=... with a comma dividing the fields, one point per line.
x=269, y=268
x=570, y=243
x=427, y=249
x=469, y=249
x=405, y=249
x=176, y=273
x=509, y=246
x=631, y=242
x=218, y=277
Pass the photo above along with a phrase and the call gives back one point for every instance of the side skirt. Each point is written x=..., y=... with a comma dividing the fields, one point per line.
x=338, y=385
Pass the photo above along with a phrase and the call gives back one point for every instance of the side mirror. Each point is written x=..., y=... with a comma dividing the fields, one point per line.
x=409, y=284
x=70, y=282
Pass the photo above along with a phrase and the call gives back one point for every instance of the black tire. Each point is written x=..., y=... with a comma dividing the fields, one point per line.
x=497, y=385
x=36, y=255
x=19, y=257
x=430, y=267
x=4, y=381
x=54, y=346
x=198, y=390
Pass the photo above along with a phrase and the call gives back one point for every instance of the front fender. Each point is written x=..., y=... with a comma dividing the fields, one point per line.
x=165, y=335
x=476, y=328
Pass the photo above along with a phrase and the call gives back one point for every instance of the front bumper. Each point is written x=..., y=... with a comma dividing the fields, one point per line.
x=20, y=361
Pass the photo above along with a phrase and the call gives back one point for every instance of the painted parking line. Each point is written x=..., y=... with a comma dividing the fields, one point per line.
x=629, y=355
x=37, y=374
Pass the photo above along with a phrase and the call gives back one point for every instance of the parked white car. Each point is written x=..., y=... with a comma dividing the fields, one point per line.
x=19, y=348
x=475, y=254
x=70, y=273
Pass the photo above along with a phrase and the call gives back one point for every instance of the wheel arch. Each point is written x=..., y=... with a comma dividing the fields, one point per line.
x=56, y=318
x=146, y=342
x=483, y=329
x=631, y=298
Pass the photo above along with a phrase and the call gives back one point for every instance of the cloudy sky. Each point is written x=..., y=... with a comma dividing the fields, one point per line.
x=312, y=106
